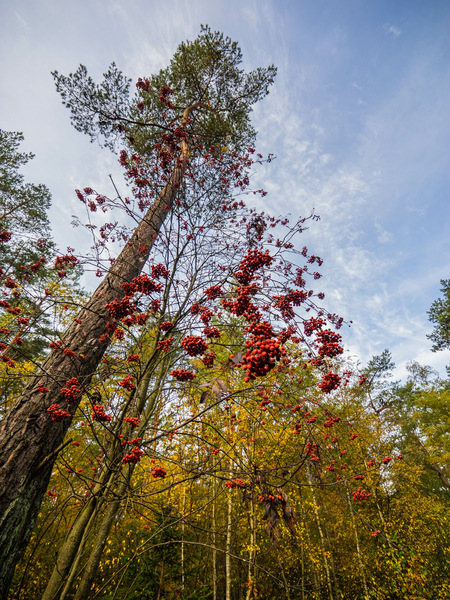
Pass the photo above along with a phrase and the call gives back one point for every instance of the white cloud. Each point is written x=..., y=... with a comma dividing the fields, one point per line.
x=390, y=29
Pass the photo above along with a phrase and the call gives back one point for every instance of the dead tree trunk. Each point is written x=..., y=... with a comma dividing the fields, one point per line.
x=29, y=439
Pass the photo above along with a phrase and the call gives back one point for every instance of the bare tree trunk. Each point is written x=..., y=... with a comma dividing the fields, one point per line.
x=228, y=547
x=251, y=583
x=69, y=554
x=358, y=550
x=91, y=567
x=214, y=552
x=29, y=439
x=322, y=539
x=183, y=527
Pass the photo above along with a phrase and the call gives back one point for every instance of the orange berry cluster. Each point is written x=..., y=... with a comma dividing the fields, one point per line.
x=99, y=413
x=263, y=351
x=194, y=345
x=329, y=343
x=57, y=413
x=208, y=359
x=182, y=374
x=133, y=421
x=360, y=494
x=272, y=498
x=134, y=456
x=127, y=383
x=329, y=382
x=235, y=483
x=159, y=472
x=165, y=345
x=71, y=392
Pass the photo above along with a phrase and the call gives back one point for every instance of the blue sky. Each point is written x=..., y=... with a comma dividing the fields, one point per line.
x=358, y=118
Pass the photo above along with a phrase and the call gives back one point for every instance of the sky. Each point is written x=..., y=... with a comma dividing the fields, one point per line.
x=358, y=119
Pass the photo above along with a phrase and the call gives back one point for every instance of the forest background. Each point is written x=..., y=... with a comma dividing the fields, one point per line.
x=402, y=424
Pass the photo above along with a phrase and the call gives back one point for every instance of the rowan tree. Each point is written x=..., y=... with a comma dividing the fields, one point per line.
x=31, y=435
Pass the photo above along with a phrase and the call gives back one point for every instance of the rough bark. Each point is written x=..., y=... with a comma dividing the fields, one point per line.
x=29, y=439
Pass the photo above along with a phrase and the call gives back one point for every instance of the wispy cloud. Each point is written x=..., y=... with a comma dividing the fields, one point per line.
x=392, y=30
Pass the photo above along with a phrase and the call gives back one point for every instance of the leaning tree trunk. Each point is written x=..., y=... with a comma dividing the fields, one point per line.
x=29, y=439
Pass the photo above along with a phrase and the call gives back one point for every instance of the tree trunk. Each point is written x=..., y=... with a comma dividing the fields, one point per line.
x=322, y=539
x=69, y=554
x=228, y=546
x=358, y=550
x=29, y=439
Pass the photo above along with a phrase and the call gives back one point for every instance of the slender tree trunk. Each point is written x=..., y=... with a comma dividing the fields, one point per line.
x=228, y=547
x=214, y=552
x=29, y=439
x=183, y=527
x=322, y=539
x=75, y=539
x=70, y=553
x=91, y=567
x=358, y=550
x=251, y=558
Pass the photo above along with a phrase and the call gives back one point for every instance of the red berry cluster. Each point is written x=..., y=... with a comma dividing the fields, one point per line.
x=165, y=345
x=143, y=85
x=134, y=456
x=263, y=351
x=71, y=392
x=182, y=374
x=160, y=270
x=312, y=325
x=360, y=494
x=133, y=358
x=99, y=413
x=127, y=383
x=55, y=345
x=10, y=283
x=142, y=284
x=57, y=413
x=119, y=309
x=212, y=332
x=165, y=93
x=235, y=483
x=140, y=319
x=166, y=326
x=311, y=450
x=205, y=315
x=242, y=305
x=68, y=260
x=195, y=308
x=329, y=343
x=329, y=382
x=194, y=345
x=213, y=292
x=254, y=260
x=208, y=359
x=159, y=472
x=133, y=421
x=5, y=236
x=331, y=421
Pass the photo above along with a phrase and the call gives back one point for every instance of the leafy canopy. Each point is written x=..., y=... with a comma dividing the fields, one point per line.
x=439, y=314
x=205, y=72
